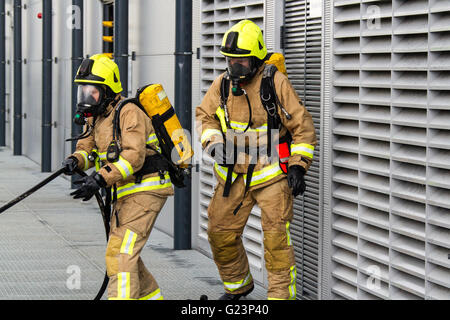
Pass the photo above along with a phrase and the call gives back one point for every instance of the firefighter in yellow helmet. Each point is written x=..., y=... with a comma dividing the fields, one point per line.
x=238, y=115
x=120, y=162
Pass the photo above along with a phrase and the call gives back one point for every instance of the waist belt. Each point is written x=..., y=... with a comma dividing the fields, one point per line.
x=152, y=164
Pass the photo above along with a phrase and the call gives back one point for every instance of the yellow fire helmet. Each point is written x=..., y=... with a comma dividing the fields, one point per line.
x=244, y=39
x=100, y=69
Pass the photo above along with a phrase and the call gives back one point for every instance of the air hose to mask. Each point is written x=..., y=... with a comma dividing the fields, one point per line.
x=250, y=115
x=85, y=134
x=237, y=91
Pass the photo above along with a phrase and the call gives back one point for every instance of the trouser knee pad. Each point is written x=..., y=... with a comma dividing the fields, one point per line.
x=225, y=246
x=278, y=253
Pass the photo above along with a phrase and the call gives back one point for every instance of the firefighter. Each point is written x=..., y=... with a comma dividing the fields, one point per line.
x=234, y=107
x=119, y=161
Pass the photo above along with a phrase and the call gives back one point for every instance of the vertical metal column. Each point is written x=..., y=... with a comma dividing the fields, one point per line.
x=121, y=41
x=17, y=78
x=77, y=58
x=183, y=105
x=108, y=15
x=46, y=163
x=2, y=76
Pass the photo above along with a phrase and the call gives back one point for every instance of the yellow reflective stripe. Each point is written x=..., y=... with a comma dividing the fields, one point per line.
x=155, y=295
x=123, y=285
x=233, y=286
x=97, y=160
x=292, y=286
x=288, y=234
x=242, y=126
x=265, y=174
x=221, y=115
x=128, y=242
x=208, y=133
x=148, y=184
x=85, y=156
x=258, y=177
x=124, y=167
x=303, y=149
x=223, y=172
x=152, y=139
x=102, y=156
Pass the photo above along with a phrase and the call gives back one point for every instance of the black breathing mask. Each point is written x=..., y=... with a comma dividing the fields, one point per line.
x=92, y=101
x=240, y=71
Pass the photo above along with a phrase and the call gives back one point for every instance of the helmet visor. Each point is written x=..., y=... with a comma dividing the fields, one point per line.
x=239, y=68
x=90, y=95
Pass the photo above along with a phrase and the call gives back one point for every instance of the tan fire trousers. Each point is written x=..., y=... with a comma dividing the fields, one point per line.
x=225, y=231
x=129, y=279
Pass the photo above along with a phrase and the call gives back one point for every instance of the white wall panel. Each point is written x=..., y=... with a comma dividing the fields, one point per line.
x=390, y=210
x=93, y=28
x=32, y=79
x=196, y=100
x=62, y=82
x=9, y=77
x=152, y=38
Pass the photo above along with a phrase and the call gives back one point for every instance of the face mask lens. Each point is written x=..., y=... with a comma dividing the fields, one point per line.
x=239, y=68
x=89, y=95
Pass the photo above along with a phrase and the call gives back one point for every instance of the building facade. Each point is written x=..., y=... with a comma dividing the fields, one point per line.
x=374, y=222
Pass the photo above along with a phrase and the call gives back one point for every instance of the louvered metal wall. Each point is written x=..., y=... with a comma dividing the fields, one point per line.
x=391, y=150
x=216, y=18
x=303, y=51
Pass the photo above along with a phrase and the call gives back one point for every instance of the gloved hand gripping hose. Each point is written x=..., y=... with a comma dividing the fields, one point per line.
x=105, y=211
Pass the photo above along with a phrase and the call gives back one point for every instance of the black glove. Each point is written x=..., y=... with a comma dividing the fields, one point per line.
x=70, y=165
x=89, y=186
x=296, y=180
x=218, y=152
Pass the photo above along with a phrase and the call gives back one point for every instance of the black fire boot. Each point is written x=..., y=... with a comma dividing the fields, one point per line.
x=229, y=296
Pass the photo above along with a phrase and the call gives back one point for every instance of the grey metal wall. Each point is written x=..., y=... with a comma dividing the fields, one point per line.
x=32, y=72
x=32, y=79
x=389, y=140
x=303, y=52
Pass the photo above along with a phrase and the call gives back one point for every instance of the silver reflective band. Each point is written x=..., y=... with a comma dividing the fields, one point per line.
x=233, y=286
x=144, y=185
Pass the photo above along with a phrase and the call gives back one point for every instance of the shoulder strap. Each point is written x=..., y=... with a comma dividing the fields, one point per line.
x=269, y=96
x=118, y=109
x=224, y=90
x=269, y=100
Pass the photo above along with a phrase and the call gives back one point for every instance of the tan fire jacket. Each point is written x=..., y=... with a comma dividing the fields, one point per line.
x=301, y=126
x=136, y=133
